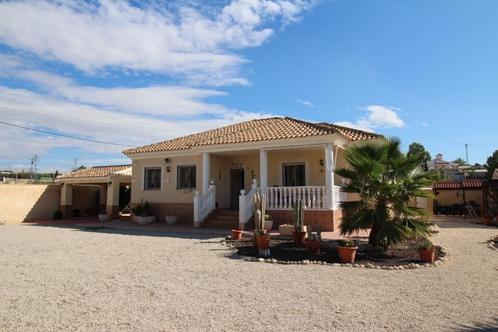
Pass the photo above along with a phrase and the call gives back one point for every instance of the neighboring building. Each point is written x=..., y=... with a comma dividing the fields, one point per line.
x=455, y=172
x=453, y=195
x=4, y=175
x=440, y=164
x=201, y=176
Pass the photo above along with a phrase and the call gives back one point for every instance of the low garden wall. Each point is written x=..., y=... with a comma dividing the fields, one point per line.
x=28, y=202
x=33, y=202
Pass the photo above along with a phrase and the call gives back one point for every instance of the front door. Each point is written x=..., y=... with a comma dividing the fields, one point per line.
x=236, y=185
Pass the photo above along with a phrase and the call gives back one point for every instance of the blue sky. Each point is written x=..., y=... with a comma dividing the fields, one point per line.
x=424, y=71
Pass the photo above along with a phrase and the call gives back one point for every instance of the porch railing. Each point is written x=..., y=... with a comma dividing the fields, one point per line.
x=282, y=198
x=204, y=204
x=246, y=204
x=340, y=196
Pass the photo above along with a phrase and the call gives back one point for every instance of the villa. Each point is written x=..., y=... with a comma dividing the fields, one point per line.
x=210, y=177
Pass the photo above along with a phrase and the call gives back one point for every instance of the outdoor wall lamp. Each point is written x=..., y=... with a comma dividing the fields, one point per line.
x=321, y=165
x=167, y=161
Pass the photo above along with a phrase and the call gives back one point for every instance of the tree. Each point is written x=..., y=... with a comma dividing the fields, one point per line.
x=417, y=148
x=460, y=161
x=385, y=180
x=492, y=163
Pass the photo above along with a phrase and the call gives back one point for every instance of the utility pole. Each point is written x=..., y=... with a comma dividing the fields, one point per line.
x=31, y=169
x=467, y=153
x=75, y=164
x=34, y=167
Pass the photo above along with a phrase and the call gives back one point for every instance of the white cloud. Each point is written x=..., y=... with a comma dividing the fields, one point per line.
x=305, y=103
x=31, y=109
x=196, y=43
x=378, y=117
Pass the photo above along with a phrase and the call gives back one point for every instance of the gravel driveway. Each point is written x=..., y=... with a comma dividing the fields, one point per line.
x=54, y=278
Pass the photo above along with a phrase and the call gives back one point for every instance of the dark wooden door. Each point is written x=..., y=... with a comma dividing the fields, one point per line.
x=236, y=185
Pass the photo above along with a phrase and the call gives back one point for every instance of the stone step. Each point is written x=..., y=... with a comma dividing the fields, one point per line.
x=226, y=212
x=224, y=216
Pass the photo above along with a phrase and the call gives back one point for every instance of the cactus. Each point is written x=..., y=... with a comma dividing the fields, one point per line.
x=259, y=213
x=298, y=216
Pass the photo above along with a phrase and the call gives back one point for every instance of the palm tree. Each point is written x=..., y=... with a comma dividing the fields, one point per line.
x=385, y=180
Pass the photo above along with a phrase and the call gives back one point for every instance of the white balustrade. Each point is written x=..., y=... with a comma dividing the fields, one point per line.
x=204, y=204
x=340, y=196
x=282, y=198
x=246, y=204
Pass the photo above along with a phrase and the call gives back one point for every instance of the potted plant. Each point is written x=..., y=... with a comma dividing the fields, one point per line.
x=299, y=234
x=141, y=214
x=347, y=251
x=313, y=241
x=427, y=251
x=236, y=234
x=261, y=236
x=487, y=219
x=171, y=220
x=268, y=222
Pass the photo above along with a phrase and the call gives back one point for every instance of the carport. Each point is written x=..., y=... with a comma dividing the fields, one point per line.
x=114, y=186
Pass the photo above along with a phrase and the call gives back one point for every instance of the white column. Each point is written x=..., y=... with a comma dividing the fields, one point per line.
x=205, y=171
x=329, y=176
x=263, y=170
x=242, y=209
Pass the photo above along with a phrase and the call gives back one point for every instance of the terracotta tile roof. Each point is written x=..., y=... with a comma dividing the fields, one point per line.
x=455, y=185
x=95, y=172
x=255, y=131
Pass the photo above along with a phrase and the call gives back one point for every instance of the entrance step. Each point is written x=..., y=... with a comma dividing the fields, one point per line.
x=223, y=218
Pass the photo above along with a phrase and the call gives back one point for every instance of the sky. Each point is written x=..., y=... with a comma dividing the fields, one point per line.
x=138, y=72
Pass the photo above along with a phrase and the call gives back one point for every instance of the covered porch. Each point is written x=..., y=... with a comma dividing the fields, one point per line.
x=285, y=175
x=112, y=185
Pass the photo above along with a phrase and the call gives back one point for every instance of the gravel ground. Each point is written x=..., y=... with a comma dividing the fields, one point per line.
x=54, y=278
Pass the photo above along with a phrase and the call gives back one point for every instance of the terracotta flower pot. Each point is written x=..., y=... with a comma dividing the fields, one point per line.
x=346, y=254
x=313, y=246
x=299, y=237
x=263, y=242
x=427, y=255
x=487, y=220
x=236, y=234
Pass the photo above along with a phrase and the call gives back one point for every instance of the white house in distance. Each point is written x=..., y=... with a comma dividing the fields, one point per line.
x=209, y=178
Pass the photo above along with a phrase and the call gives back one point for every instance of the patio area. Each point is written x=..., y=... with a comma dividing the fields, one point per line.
x=69, y=277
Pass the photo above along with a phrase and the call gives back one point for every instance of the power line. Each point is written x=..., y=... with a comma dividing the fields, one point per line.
x=64, y=135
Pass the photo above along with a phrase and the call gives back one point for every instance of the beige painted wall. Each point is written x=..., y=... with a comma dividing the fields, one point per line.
x=168, y=192
x=449, y=197
x=33, y=202
x=220, y=166
x=28, y=202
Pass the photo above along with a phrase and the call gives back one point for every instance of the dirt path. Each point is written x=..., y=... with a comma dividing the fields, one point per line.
x=65, y=279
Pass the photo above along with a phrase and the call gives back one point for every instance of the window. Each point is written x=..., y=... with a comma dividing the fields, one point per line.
x=152, y=178
x=185, y=177
x=293, y=175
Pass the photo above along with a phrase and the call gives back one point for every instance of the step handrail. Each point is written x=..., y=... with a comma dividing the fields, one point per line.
x=246, y=204
x=204, y=204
